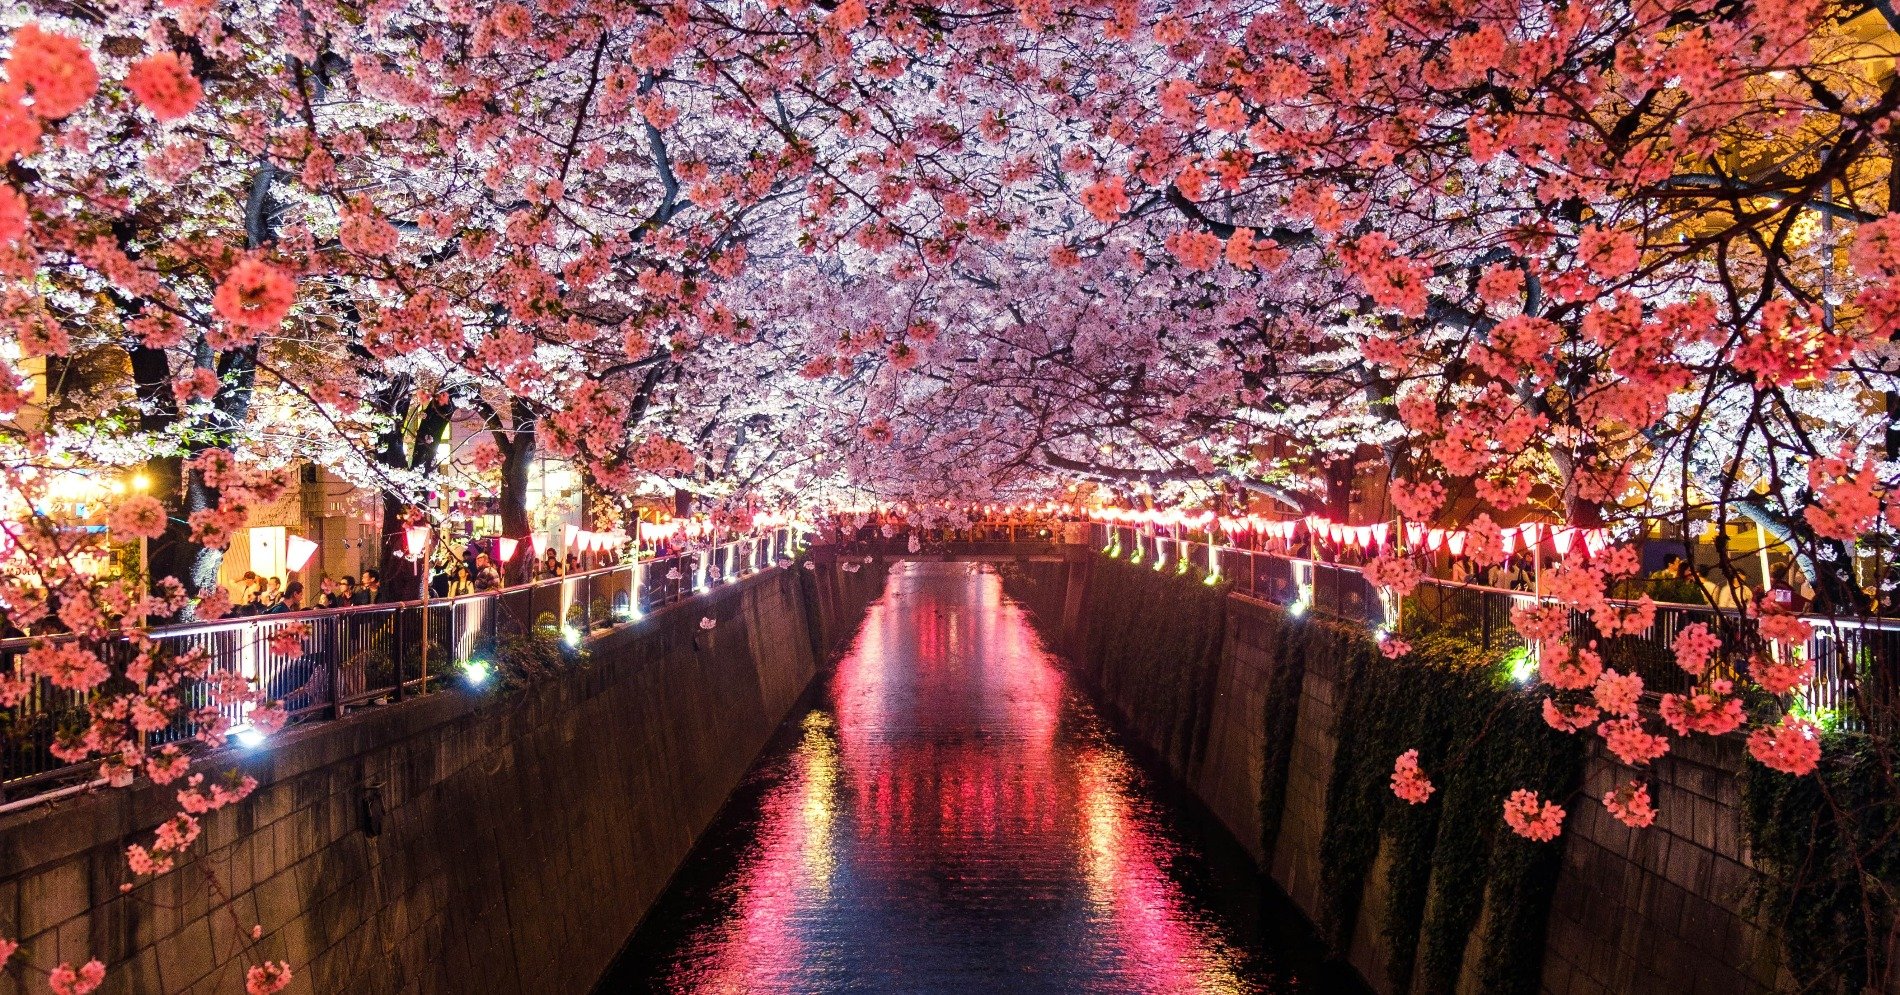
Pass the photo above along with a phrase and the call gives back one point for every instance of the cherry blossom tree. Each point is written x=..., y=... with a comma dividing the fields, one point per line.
x=1624, y=265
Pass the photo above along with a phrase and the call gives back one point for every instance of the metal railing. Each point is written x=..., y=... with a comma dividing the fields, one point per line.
x=354, y=657
x=1856, y=660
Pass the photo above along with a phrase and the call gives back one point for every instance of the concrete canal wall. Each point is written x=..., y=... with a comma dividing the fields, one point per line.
x=461, y=842
x=1245, y=706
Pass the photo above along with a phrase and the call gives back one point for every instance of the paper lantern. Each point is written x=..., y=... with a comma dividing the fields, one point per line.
x=1455, y=541
x=1596, y=540
x=573, y=532
x=1509, y=539
x=1414, y=532
x=1533, y=533
x=507, y=547
x=540, y=544
x=416, y=539
x=1562, y=538
x=297, y=552
x=1362, y=536
x=1381, y=532
x=1434, y=538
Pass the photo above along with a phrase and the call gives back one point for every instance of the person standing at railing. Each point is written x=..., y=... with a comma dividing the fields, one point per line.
x=371, y=586
x=248, y=590
x=341, y=592
x=292, y=600
x=462, y=583
x=1788, y=589
x=1460, y=570
x=1729, y=593
x=487, y=578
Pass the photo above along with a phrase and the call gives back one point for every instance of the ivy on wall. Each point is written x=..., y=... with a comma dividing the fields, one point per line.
x=1452, y=873
x=1828, y=847
x=1156, y=637
x=1285, y=647
x=1459, y=897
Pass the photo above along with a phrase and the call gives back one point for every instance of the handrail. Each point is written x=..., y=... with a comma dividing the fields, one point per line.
x=205, y=625
x=1856, y=660
x=358, y=654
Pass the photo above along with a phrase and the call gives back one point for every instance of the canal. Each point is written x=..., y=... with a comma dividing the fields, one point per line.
x=949, y=813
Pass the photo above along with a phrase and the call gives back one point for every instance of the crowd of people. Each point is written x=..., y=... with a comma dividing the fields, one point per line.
x=473, y=571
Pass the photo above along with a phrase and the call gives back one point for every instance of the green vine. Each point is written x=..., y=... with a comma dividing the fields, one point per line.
x=1828, y=846
x=1450, y=869
x=1155, y=638
x=1285, y=646
x=1458, y=896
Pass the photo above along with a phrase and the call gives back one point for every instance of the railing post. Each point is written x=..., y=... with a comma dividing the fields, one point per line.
x=395, y=648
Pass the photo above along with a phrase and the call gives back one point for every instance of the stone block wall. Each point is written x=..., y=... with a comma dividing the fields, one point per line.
x=1309, y=769
x=462, y=842
x=1660, y=910
x=1229, y=779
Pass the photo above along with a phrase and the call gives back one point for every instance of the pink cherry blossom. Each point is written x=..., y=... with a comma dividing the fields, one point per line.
x=267, y=978
x=1533, y=818
x=1631, y=743
x=165, y=85
x=1693, y=647
x=1793, y=747
x=1408, y=782
x=255, y=296
x=1713, y=710
x=1630, y=804
x=1780, y=676
x=65, y=981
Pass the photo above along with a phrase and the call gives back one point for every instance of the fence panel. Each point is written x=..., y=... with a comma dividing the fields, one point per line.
x=348, y=658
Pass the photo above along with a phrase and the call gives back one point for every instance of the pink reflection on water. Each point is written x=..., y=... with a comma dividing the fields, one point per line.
x=962, y=825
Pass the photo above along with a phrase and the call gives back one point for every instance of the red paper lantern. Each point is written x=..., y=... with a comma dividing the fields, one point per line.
x=416, y=539
x=508, y=547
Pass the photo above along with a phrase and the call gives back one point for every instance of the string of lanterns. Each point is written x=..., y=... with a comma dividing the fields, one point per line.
x=1319, y=528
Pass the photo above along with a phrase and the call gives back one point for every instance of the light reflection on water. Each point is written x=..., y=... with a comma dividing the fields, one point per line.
x=954, y=817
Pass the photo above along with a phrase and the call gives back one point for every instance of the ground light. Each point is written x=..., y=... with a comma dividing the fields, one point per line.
x=248, y=736
x=570, y=635
x=477, y=672
x=1520, y=665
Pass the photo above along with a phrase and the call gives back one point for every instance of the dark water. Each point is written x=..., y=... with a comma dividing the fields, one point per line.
x=952, y=815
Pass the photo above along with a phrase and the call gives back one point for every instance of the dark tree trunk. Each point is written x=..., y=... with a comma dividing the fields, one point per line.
x=401, y=577
x=517, y=445
x=176, y=554
x=1339, y=478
